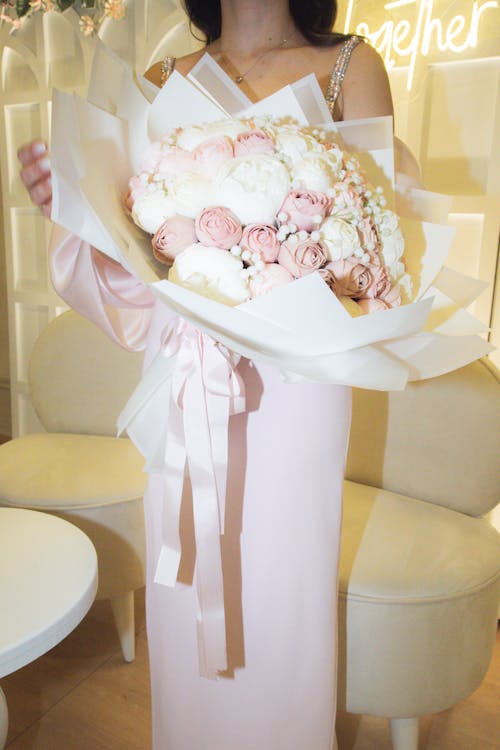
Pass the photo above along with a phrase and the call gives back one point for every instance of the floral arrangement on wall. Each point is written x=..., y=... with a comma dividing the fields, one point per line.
x=92, y=12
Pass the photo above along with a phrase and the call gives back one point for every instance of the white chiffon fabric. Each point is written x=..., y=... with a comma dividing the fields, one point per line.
x=280, y=547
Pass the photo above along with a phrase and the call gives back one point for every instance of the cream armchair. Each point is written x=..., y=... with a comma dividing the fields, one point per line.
x=79, y=469
x=420, y=565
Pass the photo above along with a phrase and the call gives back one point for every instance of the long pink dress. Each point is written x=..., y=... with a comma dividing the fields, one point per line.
x=280, y=547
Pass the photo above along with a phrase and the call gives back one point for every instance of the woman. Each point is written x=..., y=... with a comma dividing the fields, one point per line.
x=286, y=452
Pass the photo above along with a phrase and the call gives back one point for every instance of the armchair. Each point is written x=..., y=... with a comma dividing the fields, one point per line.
x=420, y=565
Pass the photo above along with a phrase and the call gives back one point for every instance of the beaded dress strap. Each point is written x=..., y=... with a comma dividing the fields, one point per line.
x=167, y=67
x=339, y=71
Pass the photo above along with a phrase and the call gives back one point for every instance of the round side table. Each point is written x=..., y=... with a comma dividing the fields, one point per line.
x=48, y=581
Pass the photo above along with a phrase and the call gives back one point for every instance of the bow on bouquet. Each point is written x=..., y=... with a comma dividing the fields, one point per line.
x=277, y=247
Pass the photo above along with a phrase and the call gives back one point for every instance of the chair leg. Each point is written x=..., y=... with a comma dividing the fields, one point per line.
x=404, y=733
x=4, y=719
x=123, y=612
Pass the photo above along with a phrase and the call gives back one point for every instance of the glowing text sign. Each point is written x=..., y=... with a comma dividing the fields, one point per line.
x=423, y=33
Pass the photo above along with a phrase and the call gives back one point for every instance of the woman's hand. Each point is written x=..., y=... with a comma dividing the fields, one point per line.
x=35, y=174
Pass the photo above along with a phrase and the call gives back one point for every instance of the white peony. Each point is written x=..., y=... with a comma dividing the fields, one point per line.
x=192, y=136
x=294, y=145
x=317, y=171
x=151, y=209
x=253, y=187
x=152, y=157
x=190, y=193
x=340, y=238
x=211, y=272
x=392, y=243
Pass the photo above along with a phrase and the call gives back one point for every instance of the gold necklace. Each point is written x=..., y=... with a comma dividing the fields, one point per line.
x=240, y=77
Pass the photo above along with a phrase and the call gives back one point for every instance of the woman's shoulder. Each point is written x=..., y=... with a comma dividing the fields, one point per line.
x=364, y=57
x=365, y=87
x=182, y=64
x=358, y=52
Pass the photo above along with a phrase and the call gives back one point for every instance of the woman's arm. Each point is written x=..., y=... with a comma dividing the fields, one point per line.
x=367, y=93
x=366, y=90
x=101, y=289
x=35, y=174
x=90, y=282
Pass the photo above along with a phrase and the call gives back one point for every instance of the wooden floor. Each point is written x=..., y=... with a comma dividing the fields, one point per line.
x=82, y=696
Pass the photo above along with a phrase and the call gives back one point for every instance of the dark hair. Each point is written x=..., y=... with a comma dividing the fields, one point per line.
x=313, y=18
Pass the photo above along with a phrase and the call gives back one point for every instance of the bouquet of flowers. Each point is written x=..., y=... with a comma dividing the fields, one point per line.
x=238, y=207
x=240, y=201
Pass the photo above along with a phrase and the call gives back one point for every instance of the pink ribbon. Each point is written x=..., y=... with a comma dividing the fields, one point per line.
x=178, y=417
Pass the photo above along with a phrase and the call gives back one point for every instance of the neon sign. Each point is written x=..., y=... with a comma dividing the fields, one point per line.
x=406, y=39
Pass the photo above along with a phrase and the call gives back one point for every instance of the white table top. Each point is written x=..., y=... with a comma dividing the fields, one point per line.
x=48, y=581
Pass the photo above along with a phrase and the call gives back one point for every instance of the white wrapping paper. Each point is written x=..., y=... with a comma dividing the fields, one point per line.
x=92, y=171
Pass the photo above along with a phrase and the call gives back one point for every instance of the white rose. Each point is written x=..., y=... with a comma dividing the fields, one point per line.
x=388, y=222
x=392, y=242
x=151, y=209
x=294, y=145
x=191, y=193
x=340, y=238
x=392, y=247
x=317, y=171
x=253, y=187
x=191, y=137
x=211, y=272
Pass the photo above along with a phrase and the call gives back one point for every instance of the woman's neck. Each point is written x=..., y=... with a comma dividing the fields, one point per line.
x=250, y=27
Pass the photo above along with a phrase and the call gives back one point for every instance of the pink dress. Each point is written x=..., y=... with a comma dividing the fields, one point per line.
x=280, y=548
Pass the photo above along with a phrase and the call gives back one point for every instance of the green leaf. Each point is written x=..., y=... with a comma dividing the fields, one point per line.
x=64, y=4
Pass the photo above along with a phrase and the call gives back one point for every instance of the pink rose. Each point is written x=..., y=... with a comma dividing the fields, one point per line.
x=173, y=161
x=212, y=153
x=253, y=142
x=305, y=208
x=271, y=276
x=218, y=227
x=302, y=257
x=348, y=278
x=261, y=239
x=328, y=277
x=373, y=304
x=381, y=294
x=172, y=237
x=381, y=282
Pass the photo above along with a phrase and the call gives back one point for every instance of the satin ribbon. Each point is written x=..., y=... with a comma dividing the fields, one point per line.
x=178, y=417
